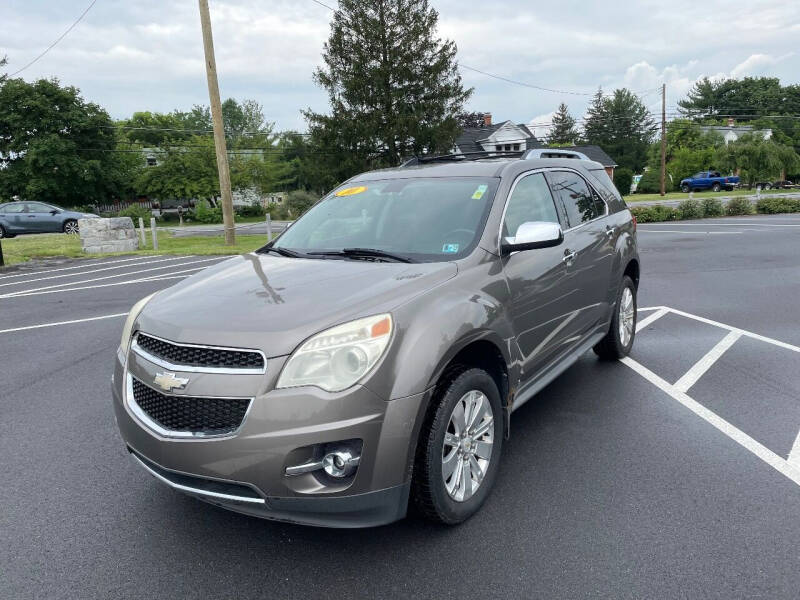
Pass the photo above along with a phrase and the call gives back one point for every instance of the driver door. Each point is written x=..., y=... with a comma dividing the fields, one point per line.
x=541, y=303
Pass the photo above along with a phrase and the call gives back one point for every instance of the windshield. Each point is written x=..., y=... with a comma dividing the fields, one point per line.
x=422, y=219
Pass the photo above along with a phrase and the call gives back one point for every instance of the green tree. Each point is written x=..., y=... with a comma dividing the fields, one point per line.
x=563, y=131
x=758, y=159
x=56, y=147
x=188, y=171
x=3, y=63
x=685, y=162
x=622, y=126
x=392, y=83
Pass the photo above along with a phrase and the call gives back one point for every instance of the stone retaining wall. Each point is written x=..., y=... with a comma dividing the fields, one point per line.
x=108, y=235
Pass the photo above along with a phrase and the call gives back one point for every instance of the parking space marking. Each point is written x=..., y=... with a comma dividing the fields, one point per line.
x=789, y=470
x=103, y=285
x=104, y=268
x=660, y=312
x=44, y=290
x=93, y=264
x=704, y=364
x=794, y=454
x=63, y=323
x=744, y=332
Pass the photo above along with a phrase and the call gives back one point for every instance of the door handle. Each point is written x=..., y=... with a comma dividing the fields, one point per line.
x=610, y=231
x=569, y=255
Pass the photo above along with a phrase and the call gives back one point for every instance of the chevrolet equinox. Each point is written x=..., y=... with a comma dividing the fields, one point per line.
x=373, y=354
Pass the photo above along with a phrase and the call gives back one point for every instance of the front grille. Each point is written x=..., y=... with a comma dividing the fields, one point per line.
x=209, y=416
x=193, y=356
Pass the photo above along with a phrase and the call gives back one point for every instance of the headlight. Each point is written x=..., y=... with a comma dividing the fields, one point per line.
x=338, y=357
x=127, y=330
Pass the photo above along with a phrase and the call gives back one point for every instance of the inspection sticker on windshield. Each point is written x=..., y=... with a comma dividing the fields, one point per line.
x=480, y=192
x=352, y=191
x=450, y=248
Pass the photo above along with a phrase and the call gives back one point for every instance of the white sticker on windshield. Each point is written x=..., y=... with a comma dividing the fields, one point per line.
x=480, y=192
x=450, y=248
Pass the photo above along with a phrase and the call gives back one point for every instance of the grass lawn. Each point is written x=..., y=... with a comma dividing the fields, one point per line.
x=699, y=195
x=27, y=247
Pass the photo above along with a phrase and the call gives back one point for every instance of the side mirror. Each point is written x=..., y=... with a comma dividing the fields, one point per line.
x=54, y=212
x=532, y=235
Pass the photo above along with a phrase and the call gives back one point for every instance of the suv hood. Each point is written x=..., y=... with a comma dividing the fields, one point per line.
x=273, y=303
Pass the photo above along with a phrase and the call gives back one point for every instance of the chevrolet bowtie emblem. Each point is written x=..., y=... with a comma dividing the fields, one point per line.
x=168, y=381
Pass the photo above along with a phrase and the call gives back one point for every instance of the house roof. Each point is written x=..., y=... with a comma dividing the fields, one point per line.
x=595, y=153
x=469, y=140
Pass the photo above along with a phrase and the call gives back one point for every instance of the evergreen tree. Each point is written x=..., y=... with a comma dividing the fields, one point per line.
x=392, y=83
x=563, y=131
x=622, y=126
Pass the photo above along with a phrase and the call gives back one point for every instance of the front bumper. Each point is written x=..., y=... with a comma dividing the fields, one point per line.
x=246, y=471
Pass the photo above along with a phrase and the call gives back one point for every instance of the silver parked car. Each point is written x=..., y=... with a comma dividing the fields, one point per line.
x=375, y=352
x=17, y=218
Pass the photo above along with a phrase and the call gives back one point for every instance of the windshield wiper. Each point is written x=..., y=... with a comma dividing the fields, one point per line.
x=365, y=253
x=281, y=251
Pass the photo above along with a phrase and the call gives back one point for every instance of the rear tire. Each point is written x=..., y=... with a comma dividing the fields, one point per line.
x=454, y=470
x=619, y=340
x=71, y=227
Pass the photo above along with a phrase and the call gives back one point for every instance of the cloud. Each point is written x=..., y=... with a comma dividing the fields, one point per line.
x=540, y=125
x=757, y=64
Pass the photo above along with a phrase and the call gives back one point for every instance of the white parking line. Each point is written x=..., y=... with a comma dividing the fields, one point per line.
x=63, y=323
x=105, y=277
x=660, y=312
x=104, y=285
x=143, y=260
x=791, y=471
x=794, y=454
x=704, y=364
x=744, y=332
x=736, y=224
x=83, y=266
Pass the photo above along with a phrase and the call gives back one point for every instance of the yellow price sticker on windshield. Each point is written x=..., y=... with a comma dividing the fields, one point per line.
x=352, y=191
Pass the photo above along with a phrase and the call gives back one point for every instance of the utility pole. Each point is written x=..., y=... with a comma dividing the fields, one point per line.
x=663, y=138
x=219, y=131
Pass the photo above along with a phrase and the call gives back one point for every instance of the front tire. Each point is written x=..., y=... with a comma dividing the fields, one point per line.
x=71, y=227
x=716, y=187
x=619, y=340
x=685, y=188
x=459, y=448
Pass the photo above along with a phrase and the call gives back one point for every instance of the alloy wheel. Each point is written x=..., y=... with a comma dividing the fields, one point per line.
x=71, y=227
x=626, y=316
x=467, y=448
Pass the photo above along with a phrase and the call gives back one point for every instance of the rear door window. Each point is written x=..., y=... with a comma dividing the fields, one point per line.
x=577, y=200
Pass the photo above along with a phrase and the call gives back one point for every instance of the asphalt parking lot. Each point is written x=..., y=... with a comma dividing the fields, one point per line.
x=675, y=473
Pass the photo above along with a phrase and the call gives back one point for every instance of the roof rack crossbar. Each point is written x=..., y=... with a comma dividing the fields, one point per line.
x=553, y=153
x=417, y=160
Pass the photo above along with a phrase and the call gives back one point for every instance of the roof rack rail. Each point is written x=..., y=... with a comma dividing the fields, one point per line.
x=484, y=154
x=553, y=153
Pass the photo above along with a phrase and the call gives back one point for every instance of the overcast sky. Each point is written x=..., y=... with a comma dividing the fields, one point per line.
x=147, y=54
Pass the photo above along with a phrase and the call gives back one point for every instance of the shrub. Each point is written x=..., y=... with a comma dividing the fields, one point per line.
x=623, y=177
x=169, y=217
x=690, y=209
x=771, y=206
x=256, y=209
x=203, y=213
x=136, y=212
x=299, y=201
x=739, y=206
x=712, y=207
x=650, y=183
x=654, y=214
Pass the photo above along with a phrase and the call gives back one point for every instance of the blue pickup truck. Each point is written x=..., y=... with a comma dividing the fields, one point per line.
x=709, y=180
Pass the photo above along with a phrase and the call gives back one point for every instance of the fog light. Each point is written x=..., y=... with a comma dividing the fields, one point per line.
x=340, y=463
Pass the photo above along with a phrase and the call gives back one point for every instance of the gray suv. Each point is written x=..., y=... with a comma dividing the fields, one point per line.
x=374, y=353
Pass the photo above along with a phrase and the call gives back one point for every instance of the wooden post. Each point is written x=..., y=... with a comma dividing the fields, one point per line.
x=219, y=132
x=663, y=138
x=154, y=233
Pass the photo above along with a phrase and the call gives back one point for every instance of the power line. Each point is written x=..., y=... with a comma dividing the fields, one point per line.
x=61, y=37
